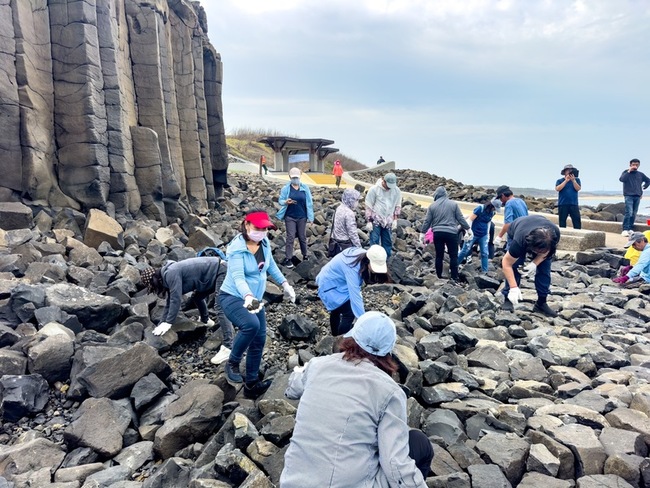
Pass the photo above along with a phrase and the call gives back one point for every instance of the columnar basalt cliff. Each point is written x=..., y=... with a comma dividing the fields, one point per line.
x=112, y=104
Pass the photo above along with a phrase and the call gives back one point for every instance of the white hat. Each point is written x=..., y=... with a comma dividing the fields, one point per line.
x=294, y=173
x=377, y=256
x=375, y=333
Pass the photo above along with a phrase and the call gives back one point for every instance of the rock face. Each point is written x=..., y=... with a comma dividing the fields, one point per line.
x=81, y=80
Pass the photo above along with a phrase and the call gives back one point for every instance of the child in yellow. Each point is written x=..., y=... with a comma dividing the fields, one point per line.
x=632, y=254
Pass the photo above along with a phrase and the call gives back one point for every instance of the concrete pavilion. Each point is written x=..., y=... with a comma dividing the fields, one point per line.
x=283, y=147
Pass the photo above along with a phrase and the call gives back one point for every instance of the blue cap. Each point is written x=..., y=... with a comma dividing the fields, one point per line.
x=374, y=332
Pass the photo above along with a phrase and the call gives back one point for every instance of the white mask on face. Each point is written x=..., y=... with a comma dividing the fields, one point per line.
x=295, y=181
x=257, y=235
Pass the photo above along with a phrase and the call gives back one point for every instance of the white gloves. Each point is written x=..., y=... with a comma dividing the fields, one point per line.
x=498, y=241
x=161, y=328
x=368, y=227
x=529, y=270
x=210, y=323
x=299, y=369
x=289, y=292
x=394, y=225
x=514, y=295
x=252, y=304
x=469, y=235
x=421, y=238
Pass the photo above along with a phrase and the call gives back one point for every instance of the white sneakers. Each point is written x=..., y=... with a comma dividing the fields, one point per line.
x=625, y=233
x=210, y=323
x=222, y=355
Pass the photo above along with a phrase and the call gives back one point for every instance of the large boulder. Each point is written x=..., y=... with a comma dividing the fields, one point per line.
x=29, y=456
x=15, y=215
x=22, y=395
x=94, y=311
x=100, y=227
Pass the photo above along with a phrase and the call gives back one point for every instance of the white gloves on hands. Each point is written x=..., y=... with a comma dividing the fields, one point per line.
x=289, y=292
x=498, y=241
x=161, y=328
x=299, y=369
x=514, y=295
x=394, y=225
x=249, y=304
x=469, y=235
x=368, y=227
x=529, y=270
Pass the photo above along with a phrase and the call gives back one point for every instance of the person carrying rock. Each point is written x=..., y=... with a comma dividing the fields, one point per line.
x=634, y=182
x=203, y=276
x=537, y=236
x=383, y=206
x=339, y=283
x=444, y=217
x=480, y=219
x=513, y=208
x=640, y=272
x=296, y=209
x=337, y=171
x=249, y=261
x=351, y=425
x=567, y=199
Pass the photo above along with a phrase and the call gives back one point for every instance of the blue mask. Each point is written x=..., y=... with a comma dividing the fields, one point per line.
x=295, y=181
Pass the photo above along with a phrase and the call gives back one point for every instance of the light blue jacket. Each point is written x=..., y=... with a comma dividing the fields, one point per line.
x=339, y=282
x=244, y=276
x=642, y=266
x=284, y=194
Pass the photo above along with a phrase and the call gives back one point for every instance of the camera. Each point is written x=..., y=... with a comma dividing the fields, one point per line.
x=575, y=172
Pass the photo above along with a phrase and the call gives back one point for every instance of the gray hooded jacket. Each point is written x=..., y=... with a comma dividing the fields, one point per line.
x=443, y=215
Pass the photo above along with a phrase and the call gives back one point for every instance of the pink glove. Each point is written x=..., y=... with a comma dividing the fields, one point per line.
x=621, y=279
x=428, y=237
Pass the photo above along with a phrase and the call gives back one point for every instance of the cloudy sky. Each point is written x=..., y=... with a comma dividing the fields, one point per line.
x=482, y=91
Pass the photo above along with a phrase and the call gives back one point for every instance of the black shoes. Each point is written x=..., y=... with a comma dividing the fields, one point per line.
x=507, y=306
x=545, y=309
x=287, y=263
x=258, y=389
x=232, y=372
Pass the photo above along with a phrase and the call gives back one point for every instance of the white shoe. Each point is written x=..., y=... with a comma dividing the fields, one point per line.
x=625, y=233
x=210, y=323
x=222, y=355
x=161, y=328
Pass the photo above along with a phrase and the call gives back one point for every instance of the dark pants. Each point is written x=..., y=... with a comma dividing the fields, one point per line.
x=296, y=228
x=199, y=298
x=251, y=336
x=631, y=208
x=338, y=180
x=573, y=211
x=341, y=319
x=382, y=235
x=542, y=278
x=450, y=241
x=421, y=451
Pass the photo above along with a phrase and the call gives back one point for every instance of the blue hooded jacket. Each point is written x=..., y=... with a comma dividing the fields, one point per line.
x=339, y=282
x=244, y=276
x=284, y=194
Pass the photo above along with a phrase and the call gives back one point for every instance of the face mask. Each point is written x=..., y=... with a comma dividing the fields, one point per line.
x=295, y=181
x=257, y=235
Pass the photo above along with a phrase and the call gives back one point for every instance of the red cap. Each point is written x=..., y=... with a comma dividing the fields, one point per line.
x=260, y=220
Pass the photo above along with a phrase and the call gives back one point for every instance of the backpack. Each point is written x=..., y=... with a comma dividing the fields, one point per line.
x=212, y=252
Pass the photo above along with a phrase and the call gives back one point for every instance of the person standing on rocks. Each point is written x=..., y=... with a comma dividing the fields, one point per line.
x=381, y=160
x=351, y=425
x=337, y=171
x=339, y=283
x=641, y=270
x=513, y=208
x=296, y=209
x=202, y=276
x=634, y=182
x=534, y=235
x=567, y=201
x=344, y=229
x=481, y=219
x=383, y=206
x=444, y=217
x=249, y=261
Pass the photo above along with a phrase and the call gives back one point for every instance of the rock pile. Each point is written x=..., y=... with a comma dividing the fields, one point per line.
x=424, y=183
x=90, y=398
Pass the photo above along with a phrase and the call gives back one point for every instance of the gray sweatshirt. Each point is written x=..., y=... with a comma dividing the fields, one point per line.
x=443, y=215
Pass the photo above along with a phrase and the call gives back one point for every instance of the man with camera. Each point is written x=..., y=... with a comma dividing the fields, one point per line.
x=634, y=182
x=567, y=200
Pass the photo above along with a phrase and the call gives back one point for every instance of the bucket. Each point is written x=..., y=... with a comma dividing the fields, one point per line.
x=647, y=221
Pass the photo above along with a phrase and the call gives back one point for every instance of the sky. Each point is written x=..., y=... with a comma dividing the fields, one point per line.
x=485, y=92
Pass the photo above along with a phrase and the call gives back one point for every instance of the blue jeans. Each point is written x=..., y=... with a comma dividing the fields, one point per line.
x=483, y=246
x=631, y=208
x=382, y=235
x=542, y=278
x=251, y=336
